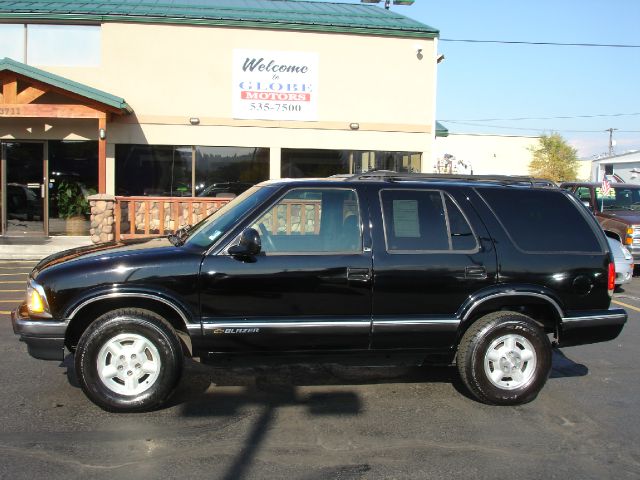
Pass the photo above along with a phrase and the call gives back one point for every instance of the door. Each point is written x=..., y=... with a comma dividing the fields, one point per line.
x=431, y=252
x=23, y=181
x=308, y=290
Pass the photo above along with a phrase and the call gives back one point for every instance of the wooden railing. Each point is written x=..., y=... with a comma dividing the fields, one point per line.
x=137, y=217
x=294, y=216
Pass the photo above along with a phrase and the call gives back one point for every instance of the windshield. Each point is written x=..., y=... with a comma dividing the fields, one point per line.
x=208, y=231
x=619, y=198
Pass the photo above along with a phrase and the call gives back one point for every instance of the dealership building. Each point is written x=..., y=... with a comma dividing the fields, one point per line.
x=198, y=99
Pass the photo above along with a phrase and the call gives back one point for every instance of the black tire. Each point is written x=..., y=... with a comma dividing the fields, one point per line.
x=120, y=329
x=475, y=364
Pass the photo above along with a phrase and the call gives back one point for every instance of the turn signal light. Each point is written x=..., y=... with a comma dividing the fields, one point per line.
x=35, y=304
x=628, y=240
x=611, y=278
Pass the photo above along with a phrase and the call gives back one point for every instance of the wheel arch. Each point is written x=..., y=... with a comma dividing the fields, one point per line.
x=82, y=314
x=612, y=234
x=540, y=307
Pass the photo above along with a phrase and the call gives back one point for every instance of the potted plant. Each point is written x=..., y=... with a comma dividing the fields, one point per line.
x=73, y=205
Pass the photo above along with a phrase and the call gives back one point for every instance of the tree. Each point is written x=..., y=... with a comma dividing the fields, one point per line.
x=554, y=159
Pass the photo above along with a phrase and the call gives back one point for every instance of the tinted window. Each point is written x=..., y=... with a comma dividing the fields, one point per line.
x=299, y=163
x=417, y=220
x=541, y=220
x=313, y=221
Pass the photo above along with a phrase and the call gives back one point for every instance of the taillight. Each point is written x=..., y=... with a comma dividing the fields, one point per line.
x=611, y=279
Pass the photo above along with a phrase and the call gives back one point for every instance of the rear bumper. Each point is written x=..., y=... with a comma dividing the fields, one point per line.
x=44, y=338
x=581, y=328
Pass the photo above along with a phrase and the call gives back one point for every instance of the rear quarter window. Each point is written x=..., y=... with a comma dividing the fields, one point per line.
x=541, y=221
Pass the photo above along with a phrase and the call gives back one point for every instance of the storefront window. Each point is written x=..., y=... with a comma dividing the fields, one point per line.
x=153, y=170
x=12, y=41
x=167, y=171
x=229, y=171
x=51, y=45
x=73, y=176
x=298, y=163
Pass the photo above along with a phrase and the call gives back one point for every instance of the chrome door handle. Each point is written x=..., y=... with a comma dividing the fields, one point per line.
x=475, y=272
x=358, y=274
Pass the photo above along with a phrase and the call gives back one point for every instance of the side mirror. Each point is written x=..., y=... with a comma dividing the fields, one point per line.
x=249, y=244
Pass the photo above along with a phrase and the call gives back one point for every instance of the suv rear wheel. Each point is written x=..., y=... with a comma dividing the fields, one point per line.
x=129, y=360
x=504, y=358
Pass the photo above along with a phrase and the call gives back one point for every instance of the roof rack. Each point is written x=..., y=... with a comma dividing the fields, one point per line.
x=391, y=176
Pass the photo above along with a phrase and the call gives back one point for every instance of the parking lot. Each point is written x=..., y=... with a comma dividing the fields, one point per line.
x=318, y=422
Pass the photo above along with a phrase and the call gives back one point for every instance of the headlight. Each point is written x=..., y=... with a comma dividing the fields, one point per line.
x=626, y=253
x=37, y=300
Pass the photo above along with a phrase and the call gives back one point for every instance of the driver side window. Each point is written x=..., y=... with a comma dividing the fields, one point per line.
x=313, y=220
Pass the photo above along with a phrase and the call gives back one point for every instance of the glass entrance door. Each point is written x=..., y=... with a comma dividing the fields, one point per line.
x=23, y=180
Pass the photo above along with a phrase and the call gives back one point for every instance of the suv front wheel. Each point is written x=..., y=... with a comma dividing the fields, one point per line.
x=129, y=360
x=504, y=358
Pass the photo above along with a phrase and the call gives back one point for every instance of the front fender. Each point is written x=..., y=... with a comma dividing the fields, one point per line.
x=186, y=313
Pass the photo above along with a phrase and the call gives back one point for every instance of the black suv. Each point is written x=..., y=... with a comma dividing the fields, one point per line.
x=376, y=268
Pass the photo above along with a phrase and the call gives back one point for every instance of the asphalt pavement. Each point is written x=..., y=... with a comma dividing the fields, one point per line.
x=325, y=422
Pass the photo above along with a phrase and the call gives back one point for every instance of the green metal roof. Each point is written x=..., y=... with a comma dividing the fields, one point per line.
x=7, y=64
x=441, y=130
x=272, y=14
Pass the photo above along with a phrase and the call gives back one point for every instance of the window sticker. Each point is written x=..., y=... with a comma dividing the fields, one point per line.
x=405, y=219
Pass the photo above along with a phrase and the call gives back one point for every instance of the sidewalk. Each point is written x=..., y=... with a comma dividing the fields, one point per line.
x=36, y=248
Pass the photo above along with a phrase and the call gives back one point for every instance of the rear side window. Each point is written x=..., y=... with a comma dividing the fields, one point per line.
x=424, y=221
x=541, y=220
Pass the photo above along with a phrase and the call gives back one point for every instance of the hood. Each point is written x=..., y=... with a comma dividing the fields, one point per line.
x=627, y=216
x=121, y=248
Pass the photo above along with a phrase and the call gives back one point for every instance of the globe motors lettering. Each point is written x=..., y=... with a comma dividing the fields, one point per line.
x=275, y=89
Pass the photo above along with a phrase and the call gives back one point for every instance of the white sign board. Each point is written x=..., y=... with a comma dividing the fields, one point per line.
x=272, y=85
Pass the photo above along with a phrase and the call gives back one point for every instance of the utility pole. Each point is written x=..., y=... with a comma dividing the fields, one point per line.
x=610, y=130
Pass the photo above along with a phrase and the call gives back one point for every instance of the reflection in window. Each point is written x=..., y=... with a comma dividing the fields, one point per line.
x=153, y=170
x=73, y=176
x=63, y=45
x=12, y=41
x=312, y=221
x=167, y=171
x=229, y=171
x=300, y=163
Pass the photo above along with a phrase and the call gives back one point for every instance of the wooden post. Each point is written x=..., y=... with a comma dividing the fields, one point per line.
x=102, y=155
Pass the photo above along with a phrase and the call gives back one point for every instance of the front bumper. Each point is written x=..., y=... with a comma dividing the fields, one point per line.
x=580, y=328
x=44, y=338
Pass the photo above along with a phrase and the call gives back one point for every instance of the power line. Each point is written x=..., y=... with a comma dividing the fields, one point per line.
x=534, y=129
x=554, y=44
x=562, y=117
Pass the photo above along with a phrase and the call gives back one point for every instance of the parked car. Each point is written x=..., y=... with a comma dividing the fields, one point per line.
x=623, y=261
x=618, y=212
x=224, y=189
x=375, y=268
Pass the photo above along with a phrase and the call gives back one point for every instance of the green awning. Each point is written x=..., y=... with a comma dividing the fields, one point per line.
x=42, y=76
x=441, y=130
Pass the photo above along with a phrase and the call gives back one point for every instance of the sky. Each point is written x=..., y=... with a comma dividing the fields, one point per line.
x=480, y=81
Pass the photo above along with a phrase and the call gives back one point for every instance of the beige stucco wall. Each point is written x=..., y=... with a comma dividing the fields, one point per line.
x=489, y=154
x=170, y=73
